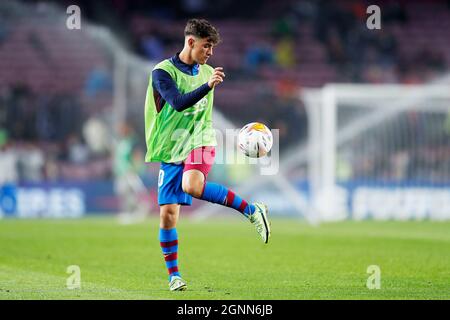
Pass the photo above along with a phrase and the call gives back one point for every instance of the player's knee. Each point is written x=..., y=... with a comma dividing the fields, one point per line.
x=192, y=183
x=168, y=218
x=193, y=187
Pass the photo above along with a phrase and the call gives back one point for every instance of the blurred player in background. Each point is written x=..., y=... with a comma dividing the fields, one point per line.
x=180, y=135
x=128, y=185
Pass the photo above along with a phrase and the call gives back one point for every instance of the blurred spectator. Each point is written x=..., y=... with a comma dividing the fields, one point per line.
x=285, y=53
x=96, y=135
x=97, y=81
x=31, y=162
x=285, y=27
x=399, y=164
x=78, y=152
x=287, y=88
x=51, y=166
x=258, y=55
x=8, y=161
x=358, y=9
x=193, y=7
x=152, y=47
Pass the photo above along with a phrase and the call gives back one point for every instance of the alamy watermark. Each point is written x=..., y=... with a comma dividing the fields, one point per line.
x=73, y=21
x=374, y=20
x=374, y=280
x=74, y=280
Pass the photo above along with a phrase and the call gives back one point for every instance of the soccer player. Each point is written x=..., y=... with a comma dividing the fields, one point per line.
x=126, y=170
x=180, y=135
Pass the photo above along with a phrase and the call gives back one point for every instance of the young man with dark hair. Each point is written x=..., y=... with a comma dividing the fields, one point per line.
x=179, y=134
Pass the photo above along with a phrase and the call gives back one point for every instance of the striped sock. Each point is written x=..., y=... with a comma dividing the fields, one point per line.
x=169, y=245
x=219, y=194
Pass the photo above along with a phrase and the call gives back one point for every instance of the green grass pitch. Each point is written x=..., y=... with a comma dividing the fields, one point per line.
x=224, y=259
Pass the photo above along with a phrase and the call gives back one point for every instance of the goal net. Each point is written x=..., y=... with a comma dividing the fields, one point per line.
x=379, y=151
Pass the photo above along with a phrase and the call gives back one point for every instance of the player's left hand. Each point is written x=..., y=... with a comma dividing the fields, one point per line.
x=216, y=77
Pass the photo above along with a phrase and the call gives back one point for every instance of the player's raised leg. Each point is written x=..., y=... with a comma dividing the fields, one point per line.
x=197, y=167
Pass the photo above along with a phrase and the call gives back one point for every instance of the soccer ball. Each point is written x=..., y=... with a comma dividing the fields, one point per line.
x=255, y=140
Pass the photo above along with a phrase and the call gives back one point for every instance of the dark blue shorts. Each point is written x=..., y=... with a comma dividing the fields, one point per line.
x=169, y=185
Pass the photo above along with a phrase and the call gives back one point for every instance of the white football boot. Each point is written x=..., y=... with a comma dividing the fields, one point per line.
x=260, y=221
x=177, y=284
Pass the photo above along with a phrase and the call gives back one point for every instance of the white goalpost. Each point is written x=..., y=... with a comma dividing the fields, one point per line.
x=379, y=151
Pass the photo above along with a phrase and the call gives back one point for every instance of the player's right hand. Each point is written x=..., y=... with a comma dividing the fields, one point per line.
x=216, y=78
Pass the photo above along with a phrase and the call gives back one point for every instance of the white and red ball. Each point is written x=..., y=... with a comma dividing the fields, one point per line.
x=255, y=140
